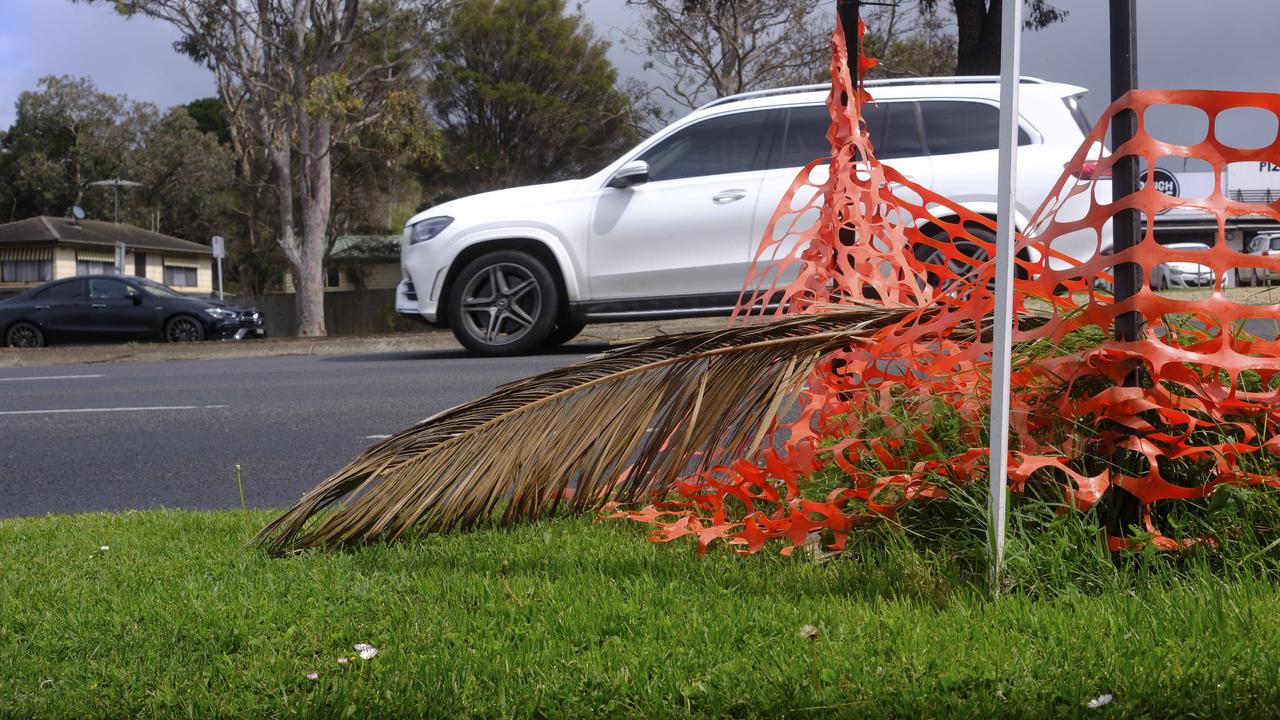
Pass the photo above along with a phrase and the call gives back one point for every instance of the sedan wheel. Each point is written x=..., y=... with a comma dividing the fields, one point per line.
x=24, y=335
x=503, y=304
x=183, y=328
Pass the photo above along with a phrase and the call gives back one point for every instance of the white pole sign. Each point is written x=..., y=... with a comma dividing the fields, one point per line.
x=119, y=258
x=1002, y=317
x=219, y=252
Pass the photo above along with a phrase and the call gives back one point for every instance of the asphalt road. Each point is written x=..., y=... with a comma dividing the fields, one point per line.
x=168, y=434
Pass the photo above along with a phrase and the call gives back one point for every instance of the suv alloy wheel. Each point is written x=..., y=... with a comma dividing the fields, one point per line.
x=503, y=303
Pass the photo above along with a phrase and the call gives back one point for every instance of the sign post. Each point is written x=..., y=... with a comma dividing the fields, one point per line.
x=219, y=252
x=1002, y=315
x=120, y=250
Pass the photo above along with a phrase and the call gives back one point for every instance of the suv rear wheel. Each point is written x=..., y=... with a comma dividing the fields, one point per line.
x=503, y=303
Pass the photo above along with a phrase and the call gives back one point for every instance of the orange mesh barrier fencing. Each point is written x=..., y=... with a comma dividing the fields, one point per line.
x=1202, y=412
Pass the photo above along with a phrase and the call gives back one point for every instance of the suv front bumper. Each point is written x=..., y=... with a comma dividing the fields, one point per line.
x=411, y=304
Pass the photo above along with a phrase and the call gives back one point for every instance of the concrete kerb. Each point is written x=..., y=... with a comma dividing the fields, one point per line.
x=345, y=345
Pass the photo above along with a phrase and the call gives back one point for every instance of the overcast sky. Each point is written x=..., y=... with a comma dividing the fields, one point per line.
x=1223, y=44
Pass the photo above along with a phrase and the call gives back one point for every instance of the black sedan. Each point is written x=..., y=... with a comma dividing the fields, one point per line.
x=112, y=307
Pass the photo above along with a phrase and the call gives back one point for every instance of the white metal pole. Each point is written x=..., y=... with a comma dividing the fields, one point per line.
x=1010, y=76
x=219, y=279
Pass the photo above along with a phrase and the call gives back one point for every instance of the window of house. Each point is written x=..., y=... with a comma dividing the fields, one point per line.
x=332, y=278
x=716, y=146
x=961, y=126
x=25, y=271
x=94, y=267
x=180, y=276
x=140, y=264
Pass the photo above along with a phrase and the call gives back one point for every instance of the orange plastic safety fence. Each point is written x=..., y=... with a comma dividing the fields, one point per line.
x=851, y=229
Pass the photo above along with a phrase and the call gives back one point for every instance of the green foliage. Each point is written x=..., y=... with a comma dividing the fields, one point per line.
x=67, y=134
x=210, y=115
x=575, y=618
x=525, y=93
x=926, y=50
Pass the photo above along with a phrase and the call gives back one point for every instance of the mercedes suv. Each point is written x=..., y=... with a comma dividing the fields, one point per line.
x=670, y=228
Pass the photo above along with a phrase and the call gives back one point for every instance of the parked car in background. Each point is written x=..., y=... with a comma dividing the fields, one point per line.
x=670, y=228
x=1184, y=274
x=114, y=307
x=1262, y=245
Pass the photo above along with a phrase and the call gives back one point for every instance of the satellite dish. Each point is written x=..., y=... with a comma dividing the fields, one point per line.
x=78, y=212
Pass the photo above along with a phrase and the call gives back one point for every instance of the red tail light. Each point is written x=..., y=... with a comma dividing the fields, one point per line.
x=1089, y=170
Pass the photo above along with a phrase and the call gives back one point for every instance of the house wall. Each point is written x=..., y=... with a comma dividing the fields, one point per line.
x=64, y=262
x=155, y=267
x=204, y=276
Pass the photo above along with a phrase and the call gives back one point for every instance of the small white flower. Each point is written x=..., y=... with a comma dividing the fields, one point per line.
x=343, y=661
x=1098, y=702
x=366, y=650
x=313, y=676
x=809, y=632
x=104, y=547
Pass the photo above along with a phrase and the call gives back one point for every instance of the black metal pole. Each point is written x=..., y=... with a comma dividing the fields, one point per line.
x=1126, y=509
x=1125, y=226
x=849, y=12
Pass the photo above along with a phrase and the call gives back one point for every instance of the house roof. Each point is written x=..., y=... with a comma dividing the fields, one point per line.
x=366, y=247
x=93, y=232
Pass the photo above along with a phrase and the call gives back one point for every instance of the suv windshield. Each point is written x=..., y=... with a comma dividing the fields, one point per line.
x=156, y=288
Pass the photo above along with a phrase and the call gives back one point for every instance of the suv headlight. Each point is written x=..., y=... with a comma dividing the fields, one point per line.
x=221, y=313
x=424, y=230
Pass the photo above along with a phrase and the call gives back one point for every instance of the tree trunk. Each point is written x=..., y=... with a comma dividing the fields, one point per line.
x=978, y=37
x=317, y=202
x=308, y=285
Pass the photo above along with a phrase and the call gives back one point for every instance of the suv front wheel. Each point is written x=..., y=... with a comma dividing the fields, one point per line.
x=503, y=303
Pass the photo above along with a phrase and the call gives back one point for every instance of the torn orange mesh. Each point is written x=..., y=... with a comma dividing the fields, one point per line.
x=851, y=229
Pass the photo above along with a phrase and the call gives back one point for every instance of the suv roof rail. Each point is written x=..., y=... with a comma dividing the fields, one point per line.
x=766, y=93
x=888, y=82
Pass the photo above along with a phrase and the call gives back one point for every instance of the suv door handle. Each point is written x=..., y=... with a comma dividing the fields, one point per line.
x=98, y=305
x=42, y=307
x=727, y=196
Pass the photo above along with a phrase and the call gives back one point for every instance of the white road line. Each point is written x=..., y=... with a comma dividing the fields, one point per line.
x=51, y=377
x=114, y=409
x=376, y=437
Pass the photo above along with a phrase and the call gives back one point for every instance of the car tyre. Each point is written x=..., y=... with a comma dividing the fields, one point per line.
x=183, y=329
x=931, y=255
x=503, y=303
x=24, y=335
x=566, y=330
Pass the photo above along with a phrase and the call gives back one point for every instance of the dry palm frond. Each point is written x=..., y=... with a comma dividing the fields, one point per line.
x=615, y=427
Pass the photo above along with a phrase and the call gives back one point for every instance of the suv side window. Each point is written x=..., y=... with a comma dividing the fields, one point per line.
x=893, y=127
x=961, y=126
x=802, y=137
x=65, y=291
x=715, y=146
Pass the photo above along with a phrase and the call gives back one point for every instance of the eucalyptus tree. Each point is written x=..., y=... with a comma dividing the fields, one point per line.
x=298, y=78
x=524, y=92
x=978, y=30
x=712, y=48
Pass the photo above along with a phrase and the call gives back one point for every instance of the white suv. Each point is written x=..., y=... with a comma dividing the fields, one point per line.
x=670, y=228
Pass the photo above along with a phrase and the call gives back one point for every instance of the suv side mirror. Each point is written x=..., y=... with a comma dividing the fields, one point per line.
x=633, y=173
x=134, y=296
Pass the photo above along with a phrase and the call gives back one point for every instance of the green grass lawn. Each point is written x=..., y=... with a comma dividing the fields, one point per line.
x=575, y=618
